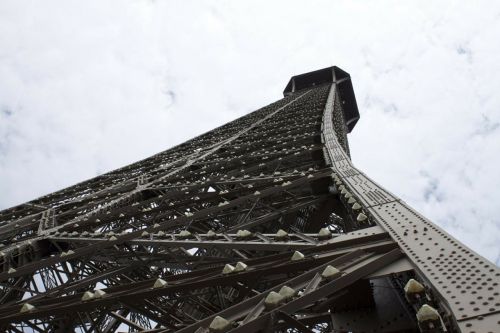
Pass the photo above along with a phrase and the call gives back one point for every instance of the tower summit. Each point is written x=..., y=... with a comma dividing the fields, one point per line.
x=260, y=225
x=329, y=75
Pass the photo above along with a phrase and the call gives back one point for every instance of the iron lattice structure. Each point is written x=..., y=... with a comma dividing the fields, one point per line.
x=262, y=224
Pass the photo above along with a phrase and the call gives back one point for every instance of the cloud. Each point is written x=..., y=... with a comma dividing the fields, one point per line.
x=86, y=87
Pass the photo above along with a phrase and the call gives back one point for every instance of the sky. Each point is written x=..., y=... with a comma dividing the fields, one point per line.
x=90, y=86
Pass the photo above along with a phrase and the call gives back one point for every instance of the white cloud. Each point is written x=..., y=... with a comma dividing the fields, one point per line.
x=86, y=87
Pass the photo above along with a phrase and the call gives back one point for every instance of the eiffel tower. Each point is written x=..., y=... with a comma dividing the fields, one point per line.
x=260, y=225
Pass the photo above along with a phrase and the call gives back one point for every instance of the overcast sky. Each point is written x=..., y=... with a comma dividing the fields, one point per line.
x=89, y=86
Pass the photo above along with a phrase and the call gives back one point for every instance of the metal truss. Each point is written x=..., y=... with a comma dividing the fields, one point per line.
x=260, y=225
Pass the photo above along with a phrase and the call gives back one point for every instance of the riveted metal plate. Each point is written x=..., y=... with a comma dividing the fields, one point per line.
x=344, y=168
x=468, y=282
x=339, y=157
x=369, y=193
